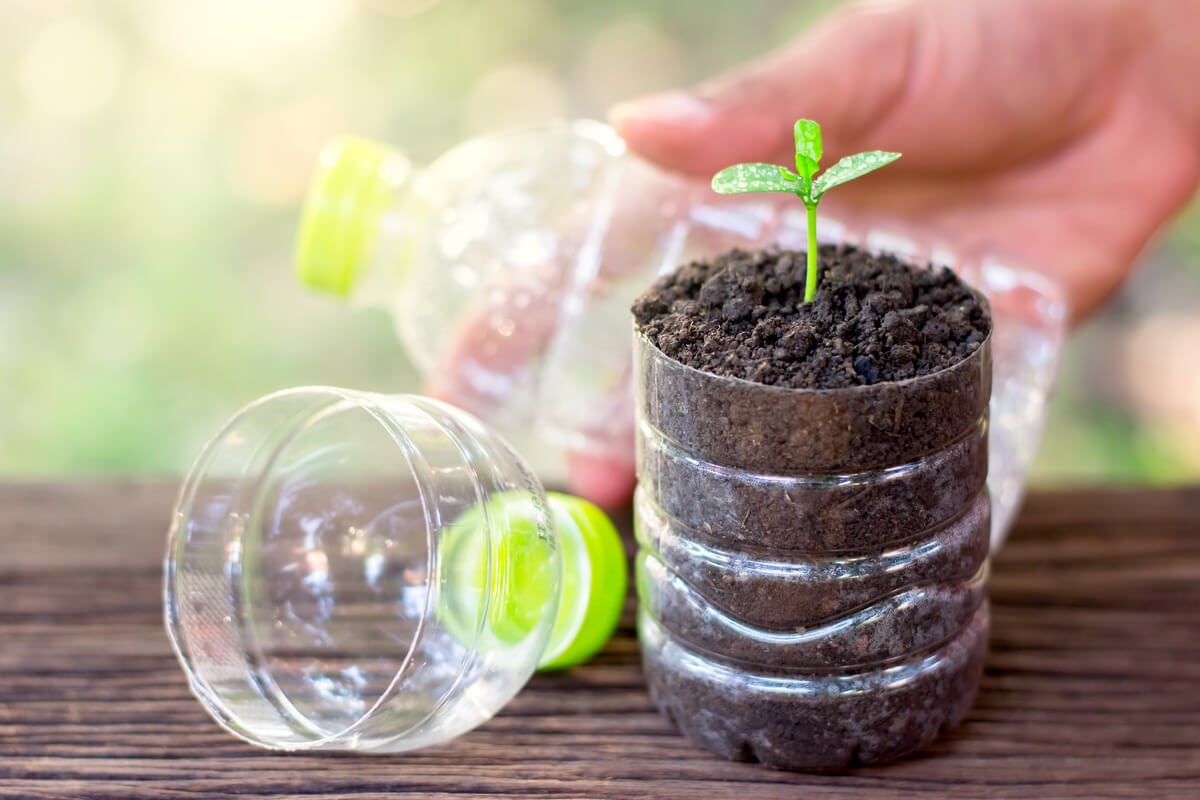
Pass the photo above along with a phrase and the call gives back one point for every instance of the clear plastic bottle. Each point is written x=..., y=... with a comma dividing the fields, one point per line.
x=366, y=572
x=468, y=254
x=509, y=265
x=813, y=563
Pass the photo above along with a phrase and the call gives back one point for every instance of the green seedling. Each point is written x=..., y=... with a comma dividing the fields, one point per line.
x=804, y=182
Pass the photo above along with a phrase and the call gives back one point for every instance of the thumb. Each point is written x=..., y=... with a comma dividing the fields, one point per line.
x=845, y=73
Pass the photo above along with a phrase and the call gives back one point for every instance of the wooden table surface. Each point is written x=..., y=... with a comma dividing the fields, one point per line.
x=1092, y=687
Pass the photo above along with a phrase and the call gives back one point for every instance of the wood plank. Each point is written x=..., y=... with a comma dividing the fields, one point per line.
x=1090, y=688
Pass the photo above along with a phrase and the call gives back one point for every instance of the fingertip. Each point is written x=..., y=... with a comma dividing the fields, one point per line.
x=661, y=127
x=670, y=109
x=688, y=133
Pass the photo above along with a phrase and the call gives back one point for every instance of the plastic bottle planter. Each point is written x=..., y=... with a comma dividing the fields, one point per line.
x=812, y=564
x=367, y=572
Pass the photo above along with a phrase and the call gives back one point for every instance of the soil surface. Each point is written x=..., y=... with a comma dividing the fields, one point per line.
x=873, y=319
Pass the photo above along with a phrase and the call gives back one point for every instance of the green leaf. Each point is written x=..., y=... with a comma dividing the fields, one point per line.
x=851, y=167
x=755, y=178
x=808, y=140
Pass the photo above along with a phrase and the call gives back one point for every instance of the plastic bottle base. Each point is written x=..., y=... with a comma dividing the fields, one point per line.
x=815, y=722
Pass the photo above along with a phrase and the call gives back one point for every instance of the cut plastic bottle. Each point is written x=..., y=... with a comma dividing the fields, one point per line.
x=380, y=573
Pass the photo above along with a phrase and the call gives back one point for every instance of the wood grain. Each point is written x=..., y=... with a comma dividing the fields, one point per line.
x=1092, y=687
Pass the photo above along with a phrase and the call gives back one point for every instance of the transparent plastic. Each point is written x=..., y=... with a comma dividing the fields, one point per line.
x=381, y=573
x=509, y=265
x=813, y=563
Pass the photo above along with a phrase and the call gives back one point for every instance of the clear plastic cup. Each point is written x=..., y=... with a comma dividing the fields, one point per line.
x=380, y=573
x=813, y=563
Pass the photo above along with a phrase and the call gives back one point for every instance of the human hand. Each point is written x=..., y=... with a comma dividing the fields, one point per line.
x=1060, y=132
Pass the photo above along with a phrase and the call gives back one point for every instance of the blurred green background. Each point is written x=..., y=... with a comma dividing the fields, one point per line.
x=153, y=154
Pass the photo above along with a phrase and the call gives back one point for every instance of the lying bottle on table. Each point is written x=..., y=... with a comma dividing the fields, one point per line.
x=509, y=265
x=365, y=572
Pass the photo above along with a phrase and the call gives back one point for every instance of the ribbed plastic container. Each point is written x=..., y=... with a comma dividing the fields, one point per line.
x=813, y=563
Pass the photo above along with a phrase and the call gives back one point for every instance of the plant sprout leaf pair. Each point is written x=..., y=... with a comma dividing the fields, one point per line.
x=759, y=177
x=804, y=183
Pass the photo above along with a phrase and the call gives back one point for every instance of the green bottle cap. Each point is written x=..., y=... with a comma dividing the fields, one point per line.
x=595, y=572
x=505, y=595
x=353, y=185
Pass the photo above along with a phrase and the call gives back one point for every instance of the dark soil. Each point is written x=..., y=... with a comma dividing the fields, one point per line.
x=874, y=318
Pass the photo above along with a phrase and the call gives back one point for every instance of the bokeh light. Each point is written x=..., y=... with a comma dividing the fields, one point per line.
x=71, y=67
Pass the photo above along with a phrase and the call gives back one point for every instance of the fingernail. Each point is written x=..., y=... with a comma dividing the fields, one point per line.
x=673, y=108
